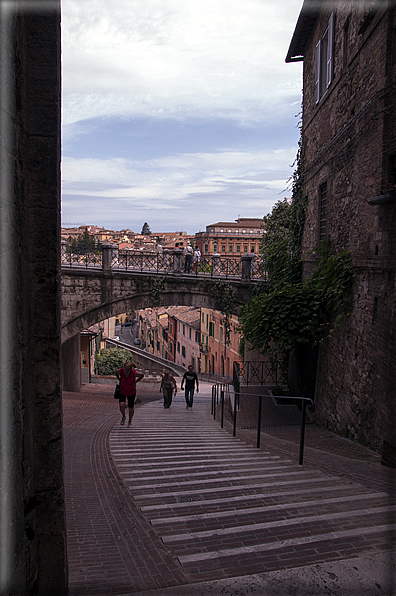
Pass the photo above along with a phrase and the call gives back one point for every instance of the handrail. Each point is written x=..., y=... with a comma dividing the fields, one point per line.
x=304, y=402
x=166, y=262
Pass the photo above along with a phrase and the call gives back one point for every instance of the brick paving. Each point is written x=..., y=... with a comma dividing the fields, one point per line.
x=175, y=500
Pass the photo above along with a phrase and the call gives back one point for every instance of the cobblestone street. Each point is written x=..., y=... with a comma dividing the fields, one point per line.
x=176, y=505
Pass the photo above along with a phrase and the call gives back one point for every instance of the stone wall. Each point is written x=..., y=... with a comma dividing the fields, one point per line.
x=92, y=296
x=348, y=139
x=32, y=526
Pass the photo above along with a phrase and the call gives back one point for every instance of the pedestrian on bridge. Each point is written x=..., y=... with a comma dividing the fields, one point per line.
x=188, y=255
x=197, y=258
x=128, y=377
x=168, y=386
x=190, y=378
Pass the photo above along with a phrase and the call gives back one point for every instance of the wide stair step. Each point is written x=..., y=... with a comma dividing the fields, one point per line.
x=225, y=508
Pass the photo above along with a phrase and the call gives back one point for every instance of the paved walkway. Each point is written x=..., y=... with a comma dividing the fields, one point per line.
x=175, y=505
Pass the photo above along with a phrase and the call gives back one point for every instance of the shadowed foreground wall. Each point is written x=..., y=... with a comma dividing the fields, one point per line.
x=32, y=519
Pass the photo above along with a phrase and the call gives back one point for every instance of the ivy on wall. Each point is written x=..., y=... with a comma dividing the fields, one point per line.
x=156, y=289
x=293, y=312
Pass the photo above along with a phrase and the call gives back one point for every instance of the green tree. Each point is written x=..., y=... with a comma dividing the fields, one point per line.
x=109, y=359
x=146, y=229
x=85, y=243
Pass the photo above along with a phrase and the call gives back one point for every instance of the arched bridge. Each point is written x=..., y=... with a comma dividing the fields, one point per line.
x=96, y=287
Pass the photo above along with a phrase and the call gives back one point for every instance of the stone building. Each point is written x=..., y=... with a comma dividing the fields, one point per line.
x=349, y=152
x=231, y=239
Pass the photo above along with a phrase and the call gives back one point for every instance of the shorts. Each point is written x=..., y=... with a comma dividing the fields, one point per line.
x=130, y=398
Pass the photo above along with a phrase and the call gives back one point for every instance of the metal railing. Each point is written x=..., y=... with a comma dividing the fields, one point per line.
x=219, y=393
x=270, y=371
x=80, y=260
x=163, y=262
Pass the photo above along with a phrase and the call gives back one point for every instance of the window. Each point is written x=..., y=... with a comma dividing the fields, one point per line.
x=324, y=61
x=206, y=248
x=197, y=337
x=230, y=248
x=215, y=247
x=322, y=211
x=223, y=248
x=178, y=347
x=252, y=248
x=211, y=329
x=238, y=248
x=221, y=334
x=189, y=336
x=170, y=347
x=184, y=329
x=183, y=351
x=245, y=248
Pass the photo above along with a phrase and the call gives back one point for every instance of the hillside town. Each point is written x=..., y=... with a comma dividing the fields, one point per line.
x=179, y=334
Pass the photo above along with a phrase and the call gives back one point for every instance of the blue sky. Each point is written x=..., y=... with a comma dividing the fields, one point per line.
x=179, y=113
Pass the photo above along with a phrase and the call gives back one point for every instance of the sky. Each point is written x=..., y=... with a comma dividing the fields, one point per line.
x=178, y=113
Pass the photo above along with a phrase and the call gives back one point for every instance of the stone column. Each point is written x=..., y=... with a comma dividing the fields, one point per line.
x=107, y=256
x=246, y=266
x=177, y=261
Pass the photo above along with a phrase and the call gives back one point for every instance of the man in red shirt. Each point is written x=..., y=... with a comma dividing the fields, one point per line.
x=128, y=378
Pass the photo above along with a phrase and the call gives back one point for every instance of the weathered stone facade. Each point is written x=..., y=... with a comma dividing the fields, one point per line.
x=90, y=296
x=32, y=515
x=349, y=152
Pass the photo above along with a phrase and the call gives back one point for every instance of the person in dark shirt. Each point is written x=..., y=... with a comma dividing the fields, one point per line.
x=190, y=378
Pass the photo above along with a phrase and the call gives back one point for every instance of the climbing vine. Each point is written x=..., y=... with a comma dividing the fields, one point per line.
x=281, y=244
x=156, y=289
x=303, y=313
x=291, y=311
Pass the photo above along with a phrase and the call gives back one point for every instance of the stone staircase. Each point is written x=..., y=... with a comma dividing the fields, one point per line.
x=225, y=509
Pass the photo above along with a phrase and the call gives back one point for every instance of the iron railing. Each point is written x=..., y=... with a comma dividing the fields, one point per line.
x=219, y=393
x=84, y=260
x=214, y=266
x=264, y=372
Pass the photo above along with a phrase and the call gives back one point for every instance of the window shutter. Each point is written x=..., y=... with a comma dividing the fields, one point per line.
x=330, y=46
x=317, y=72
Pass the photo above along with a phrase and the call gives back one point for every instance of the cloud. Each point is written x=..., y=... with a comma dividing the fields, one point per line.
x=176, y=58
x=247, y=180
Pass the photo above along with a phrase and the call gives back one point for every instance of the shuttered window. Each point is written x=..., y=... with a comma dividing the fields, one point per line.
x=324, y=59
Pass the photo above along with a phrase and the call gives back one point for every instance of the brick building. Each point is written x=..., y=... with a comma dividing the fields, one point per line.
x=217, y=357
x=231, y=239
x=349, y=153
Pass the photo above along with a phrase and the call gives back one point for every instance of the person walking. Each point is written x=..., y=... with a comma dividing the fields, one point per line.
x=190, y=378
x=197, y=258
x=188, y=254
x=168, y=386
x=128, y=377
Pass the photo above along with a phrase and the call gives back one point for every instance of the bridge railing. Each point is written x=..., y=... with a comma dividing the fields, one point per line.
x=164, y=262
x=75, y=259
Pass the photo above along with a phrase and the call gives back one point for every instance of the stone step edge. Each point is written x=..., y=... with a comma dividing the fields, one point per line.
x=234, y=489
x=224, y=474
x=211, y=480
x=255, y=496
x=276, y=524
x=264, y=509
x=274, y=546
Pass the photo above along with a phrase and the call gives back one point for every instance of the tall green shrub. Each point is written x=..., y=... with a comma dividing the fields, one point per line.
x=109, y=359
